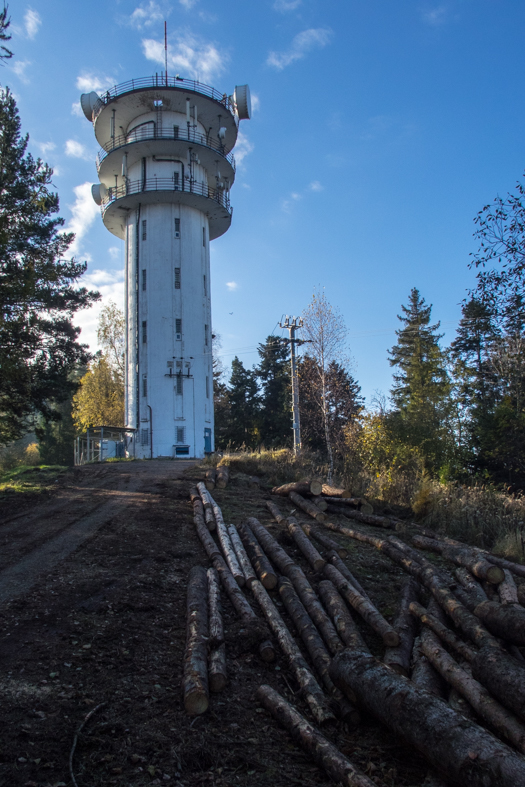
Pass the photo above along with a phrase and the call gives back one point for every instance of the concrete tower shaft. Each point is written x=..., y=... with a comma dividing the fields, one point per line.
x=165, y=169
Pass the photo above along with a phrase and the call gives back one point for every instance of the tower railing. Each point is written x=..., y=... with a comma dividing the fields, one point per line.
x=142, y=134
x=162, y=82
x=221, y=196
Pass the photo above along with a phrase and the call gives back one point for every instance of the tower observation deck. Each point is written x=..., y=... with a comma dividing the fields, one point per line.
x=166, y=168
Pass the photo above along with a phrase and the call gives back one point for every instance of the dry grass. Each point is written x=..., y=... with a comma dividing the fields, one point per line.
x=274, y=467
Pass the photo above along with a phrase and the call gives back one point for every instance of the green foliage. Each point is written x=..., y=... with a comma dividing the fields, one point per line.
x=99, y=400
x=39, y=291
x=275, y=412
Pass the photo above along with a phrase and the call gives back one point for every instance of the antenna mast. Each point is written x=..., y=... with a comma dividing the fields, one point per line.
x=166, y=51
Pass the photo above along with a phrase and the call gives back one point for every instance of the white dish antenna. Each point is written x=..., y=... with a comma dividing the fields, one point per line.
x=87, y=102
x=98, y=192
x=243, y=101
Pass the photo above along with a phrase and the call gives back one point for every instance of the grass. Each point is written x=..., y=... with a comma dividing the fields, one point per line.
x=274, y=467
x=26, y=480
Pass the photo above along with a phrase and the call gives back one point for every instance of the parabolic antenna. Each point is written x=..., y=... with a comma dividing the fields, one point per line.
x=243, y=102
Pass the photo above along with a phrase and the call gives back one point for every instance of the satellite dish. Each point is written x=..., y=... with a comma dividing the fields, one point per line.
x=98, y=192
x=87, y=102
x=243, y=102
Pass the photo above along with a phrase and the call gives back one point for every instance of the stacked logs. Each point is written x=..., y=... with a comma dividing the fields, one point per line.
x=318, y=500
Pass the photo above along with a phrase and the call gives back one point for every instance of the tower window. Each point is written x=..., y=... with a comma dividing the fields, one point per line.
x=177, y=278
x=204, y=237
x=207, y=387
x=144, y=229
x=180, y=434
x=144, y=332
x=179, y=384
x=177, y=228
x=143, y=278
x=175, y=132
x=205, y=285
x=144, y=385
x=178, y=327
x=144, y=436
x=206, y=335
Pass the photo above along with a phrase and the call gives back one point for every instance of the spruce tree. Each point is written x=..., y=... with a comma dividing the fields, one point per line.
x=39, y=291
x=275, y=417
x=244, y=407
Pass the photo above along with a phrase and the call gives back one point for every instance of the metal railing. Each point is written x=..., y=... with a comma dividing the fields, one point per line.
x=221, y=196
x=162, y=82
x=142, y=134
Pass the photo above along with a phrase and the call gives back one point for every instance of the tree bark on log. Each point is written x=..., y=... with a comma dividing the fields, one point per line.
x=336, y=561
x=275, y=511
x=503, y=676
x=335, y=491
x=208, y=506
x=280, y=559
x=316, y=648
x=508, y=592
x=353, y=502
x=320, y=502
x=340, y=615
x=468, y=583
x=424, y=676
x=369, y=519
x=398, y=658
x=499, y=718
x=226, y=544
x=521, y=594
x=312, y=487
x=461, y=751
x=195, y=677
x=257, y=557
x=313, y=693
x=362, y=606
x=209, y=479
x=444, y=633
x=215, y=625
x=305, y=546
x=516, y=568
x=313, y=532
x=307, y=507
x=461, y=705
x=242, y=557
x=463, y=556
x=223, y=476
x=324, y=753
x=217, y=669
x=507, y=622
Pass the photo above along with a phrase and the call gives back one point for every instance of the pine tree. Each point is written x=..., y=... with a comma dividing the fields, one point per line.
x=39, y=291
x=244, y=407
x=275, y=418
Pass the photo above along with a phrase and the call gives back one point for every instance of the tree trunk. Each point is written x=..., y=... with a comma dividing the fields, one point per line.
x=316, y=745
x=508, y=592
x=474, y=590
x=398, y=658
x=507, y=622
x=461, y=751
x=442, y=631
x=226, y=544
x=209, y=479
x=313, y=532
x=242, y=557
x=352, y=502
x=362, y=606
x=217, y=670
x=368, y=519
x=314, y=696
x=275, y=511
x=516, y=568
x=461, y=705
x=315, y=647
x=223, y=476
x=257, y=557
x=342, y=619
x=311, y=487
x=280, y=559
x=307, y=507
x=195, y=677
x=464, y=556
x=501, y=720
x=320, y=502
x=335, y=491
x=208, y=506
x=424, y=676
x=215, y=627
x=503, y=676
x=336, y=561
x=305, y=546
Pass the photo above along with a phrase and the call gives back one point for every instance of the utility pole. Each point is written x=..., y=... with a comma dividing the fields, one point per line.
x=292, y=324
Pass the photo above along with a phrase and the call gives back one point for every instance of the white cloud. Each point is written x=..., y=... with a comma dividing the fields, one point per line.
x=32, y=22
x=188, y=4
x=45, y=147
x=147, y=14
x=296, y=196
x=315, y=186
x=286, y=5
x=302, y=44
x=191, y=55
x=88, y=81
x=243, y=146
x=232, y=286
x=435, y=16
x=111, y=287
x=76, y=109
x=19, y=67
x=114, y=252
x=256, y=103
x=84, y=211
x=76, y=149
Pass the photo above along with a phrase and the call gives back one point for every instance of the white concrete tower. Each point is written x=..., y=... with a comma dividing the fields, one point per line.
x=165, y=169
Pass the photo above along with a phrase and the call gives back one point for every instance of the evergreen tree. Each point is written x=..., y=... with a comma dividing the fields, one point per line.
x=39, y=291
x=421, y=385
x=275, y=417
x=244, y=407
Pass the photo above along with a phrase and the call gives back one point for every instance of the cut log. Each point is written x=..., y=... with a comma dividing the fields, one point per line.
x=398, y=658
x=304, y=544
x=215, y=625
x=499, y=718
x=444, y=633
x=521, y=594
x=320, y=502
x=508, y=592
x=461, y=705
x=463, y=556
x=307, y=507
x=340, y=615
x=208, y=506
x=313, y=487
x=324, y=753
x=195, y=677
x=242, y=557
x=507, y=622
x=226, y=544
x=459, y=750
x=353, y=502
x=368, y=519
x=223, y=476
x=280, y=559
x=198, y=508
x=257, y=557
x=516, y=568
x=275, y=511
x=314, y=532
x=424, y=676
x=362, y=606
x=474, y=590
x=209, y=479
x=314, y=696
x=315, y=647
x=503, y=676
x=335, y=491
x=336, y=561
x=217, y=670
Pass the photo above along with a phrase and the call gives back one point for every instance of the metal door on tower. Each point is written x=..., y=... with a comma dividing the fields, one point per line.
x=207, y=441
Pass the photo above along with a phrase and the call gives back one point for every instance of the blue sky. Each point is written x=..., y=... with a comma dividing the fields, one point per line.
x=380, y=129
